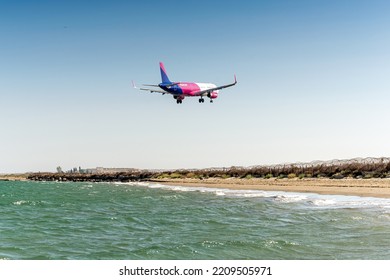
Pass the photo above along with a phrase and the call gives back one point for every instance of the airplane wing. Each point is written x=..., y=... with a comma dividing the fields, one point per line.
x=202, y=92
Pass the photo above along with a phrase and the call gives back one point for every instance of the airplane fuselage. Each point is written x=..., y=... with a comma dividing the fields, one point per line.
x=182, y=89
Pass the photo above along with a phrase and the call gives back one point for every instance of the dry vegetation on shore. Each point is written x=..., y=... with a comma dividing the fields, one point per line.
x=338, y=169
x=370, y=168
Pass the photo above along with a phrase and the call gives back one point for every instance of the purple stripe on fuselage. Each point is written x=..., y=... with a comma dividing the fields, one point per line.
x=184, y=88
x=175, y=90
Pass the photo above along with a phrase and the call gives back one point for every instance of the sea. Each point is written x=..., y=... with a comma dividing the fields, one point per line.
x=150, y=221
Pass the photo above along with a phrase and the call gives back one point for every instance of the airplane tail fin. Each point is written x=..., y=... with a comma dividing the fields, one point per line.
x=164, y=76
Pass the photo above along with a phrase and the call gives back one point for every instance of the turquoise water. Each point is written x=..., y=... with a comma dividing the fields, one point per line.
x=52, y=220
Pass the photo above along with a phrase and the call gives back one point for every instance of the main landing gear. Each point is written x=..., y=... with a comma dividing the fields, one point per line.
x=179, y=101
x=202, y=100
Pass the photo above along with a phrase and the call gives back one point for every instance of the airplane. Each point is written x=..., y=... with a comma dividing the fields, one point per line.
x=180, y=90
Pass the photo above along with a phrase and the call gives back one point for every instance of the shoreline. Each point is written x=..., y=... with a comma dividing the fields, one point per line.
x=353, y=187
x=348, y=186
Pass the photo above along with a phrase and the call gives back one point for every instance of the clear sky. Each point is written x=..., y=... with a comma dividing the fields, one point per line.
x=313, y=83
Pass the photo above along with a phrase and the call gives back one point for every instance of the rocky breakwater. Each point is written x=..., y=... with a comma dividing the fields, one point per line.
x=103, y=177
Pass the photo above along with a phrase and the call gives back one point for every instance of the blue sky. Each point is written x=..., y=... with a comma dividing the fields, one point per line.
x=313, y=83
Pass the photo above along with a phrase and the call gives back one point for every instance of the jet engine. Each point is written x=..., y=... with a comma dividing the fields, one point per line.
x=212, y=95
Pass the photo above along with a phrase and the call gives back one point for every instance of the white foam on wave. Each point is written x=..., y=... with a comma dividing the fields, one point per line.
x=311, y=200
x=322, y=202
x=27, y=202
x=286, y=198
x=20, y=202
x=220, y=193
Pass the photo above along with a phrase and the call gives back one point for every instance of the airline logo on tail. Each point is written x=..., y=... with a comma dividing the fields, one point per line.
x=180, y=90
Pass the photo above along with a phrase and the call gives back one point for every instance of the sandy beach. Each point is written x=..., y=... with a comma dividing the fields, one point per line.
x=13, y=177
x=357, y=187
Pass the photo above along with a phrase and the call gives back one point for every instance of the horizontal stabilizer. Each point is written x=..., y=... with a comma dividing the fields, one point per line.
x=154, y=90
x=151, y=85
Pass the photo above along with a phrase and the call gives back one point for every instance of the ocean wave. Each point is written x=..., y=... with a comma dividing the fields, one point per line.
x=290, y=198
x=312, y=200
x=27, y=202
x=322, y=202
